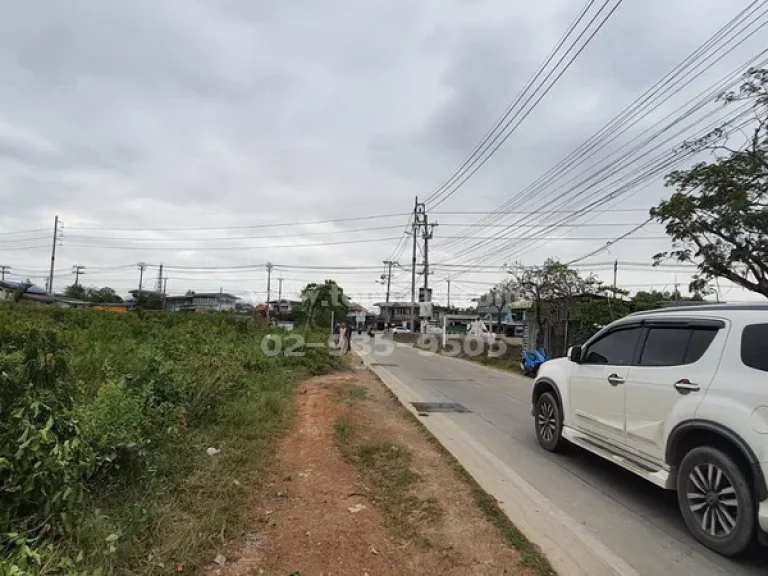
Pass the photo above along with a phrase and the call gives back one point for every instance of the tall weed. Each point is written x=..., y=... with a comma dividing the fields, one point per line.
x=104, y=420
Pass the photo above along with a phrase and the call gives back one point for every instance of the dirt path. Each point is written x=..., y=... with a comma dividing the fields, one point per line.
x=358, y=488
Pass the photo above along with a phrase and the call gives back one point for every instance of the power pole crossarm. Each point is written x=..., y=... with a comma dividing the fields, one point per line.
x=3, y=271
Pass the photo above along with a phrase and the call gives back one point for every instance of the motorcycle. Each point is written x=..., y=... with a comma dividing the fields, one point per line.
x=532, y=360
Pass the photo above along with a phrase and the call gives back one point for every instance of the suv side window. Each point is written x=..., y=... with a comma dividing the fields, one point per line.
x=753, y=346
x=616, y=348
x=675, y=346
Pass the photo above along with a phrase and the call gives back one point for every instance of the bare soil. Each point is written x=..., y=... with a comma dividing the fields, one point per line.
x=329, y=509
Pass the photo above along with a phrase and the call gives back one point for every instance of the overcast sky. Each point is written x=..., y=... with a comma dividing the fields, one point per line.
x=214, y=116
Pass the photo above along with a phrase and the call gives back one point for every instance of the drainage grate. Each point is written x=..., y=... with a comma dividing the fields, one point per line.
x=382, y=364
x=439, y=407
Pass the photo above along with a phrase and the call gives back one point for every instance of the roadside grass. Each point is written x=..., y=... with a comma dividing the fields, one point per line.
x=530, y=555
x=134, y=402
x=507, y=364
x=387, y=468
x=349, y=393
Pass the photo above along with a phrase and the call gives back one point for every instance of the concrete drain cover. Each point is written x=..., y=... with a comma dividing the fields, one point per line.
x=446, y=407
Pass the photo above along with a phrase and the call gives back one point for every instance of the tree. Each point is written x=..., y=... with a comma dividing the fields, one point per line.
x=718, y=217
x=498, y=297
x=323, y=302
x=105, y=295
x=551, y=289
x=76, y=291
x=97, y=295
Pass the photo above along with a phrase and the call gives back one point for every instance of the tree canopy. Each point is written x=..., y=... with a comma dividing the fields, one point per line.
x=718, y=216
x=551, y=288
x=105, y=295
x=324, y=303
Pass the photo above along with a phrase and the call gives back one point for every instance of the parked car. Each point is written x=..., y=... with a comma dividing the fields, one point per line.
x=400, y=330
x=679, y=397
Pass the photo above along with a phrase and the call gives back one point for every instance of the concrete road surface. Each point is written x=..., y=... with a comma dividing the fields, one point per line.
x=632, y=525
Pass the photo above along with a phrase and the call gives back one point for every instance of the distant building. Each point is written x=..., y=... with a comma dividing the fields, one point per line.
x=33, y=294
x=399, y=314
x=359, y=317
x=284, y=309
x=201, y=302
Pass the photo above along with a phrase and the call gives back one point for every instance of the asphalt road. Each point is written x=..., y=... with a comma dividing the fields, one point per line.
x=635, y=520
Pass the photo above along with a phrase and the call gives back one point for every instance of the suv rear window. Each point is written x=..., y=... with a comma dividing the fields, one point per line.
x=675, y=346
x=754, y=346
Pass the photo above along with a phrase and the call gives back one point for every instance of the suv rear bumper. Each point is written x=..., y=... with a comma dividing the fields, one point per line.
x=762, y=515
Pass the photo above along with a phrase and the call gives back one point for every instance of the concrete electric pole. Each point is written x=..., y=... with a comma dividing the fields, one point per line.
x=142, y=266
x=418, y=215
x=78, y=271
x=269, y=285
x=159, y=283
x=3, y=271
x=53, y=252
x=389, y=264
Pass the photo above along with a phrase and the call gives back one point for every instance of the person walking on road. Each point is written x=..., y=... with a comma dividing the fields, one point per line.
x=349, y=339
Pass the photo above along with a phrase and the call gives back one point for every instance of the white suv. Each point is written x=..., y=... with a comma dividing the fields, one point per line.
x=678, y=396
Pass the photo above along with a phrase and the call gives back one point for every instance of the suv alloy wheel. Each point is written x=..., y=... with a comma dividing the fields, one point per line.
x=549, y=423
x=716, y=501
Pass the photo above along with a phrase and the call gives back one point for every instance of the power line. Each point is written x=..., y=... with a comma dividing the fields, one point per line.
x=217, y=248
x=620, y=123
x=467, y=174
x=611, y=243
x=657, y=165
x=274, y=225
x=510, y=108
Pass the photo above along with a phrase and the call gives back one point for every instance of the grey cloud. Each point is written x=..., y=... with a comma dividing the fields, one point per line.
x=203, y=114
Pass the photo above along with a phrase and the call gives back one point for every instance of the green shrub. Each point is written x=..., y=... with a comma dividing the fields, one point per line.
x=102, y=416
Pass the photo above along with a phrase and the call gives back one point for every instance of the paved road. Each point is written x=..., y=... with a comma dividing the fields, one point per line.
x=632, y=518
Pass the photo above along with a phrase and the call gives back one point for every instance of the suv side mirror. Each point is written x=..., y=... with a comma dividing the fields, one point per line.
x=574, y=354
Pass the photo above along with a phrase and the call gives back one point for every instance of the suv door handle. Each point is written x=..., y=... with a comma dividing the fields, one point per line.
x=615, y=380
x=686, y=386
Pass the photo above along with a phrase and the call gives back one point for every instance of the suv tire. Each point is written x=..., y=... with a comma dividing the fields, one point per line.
x=549, y=423
x=716, y=501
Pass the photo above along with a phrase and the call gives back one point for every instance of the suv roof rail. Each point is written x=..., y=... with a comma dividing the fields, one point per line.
x=757, y=306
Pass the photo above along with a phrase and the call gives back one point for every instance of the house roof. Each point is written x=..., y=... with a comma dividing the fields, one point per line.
x=36, y=290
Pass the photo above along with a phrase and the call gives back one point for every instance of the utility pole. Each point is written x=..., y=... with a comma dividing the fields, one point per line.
x=142, y=266
x=615, y=275
x=221, y=295
x=427, y=236
x=78, y=270
x=418, y=212
x=3, y=270
x=279, y=291
x=159, y=284
x=165, y=291
x=53, y=252
x=389, y=264
x=449, y=292
x=269, y=285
